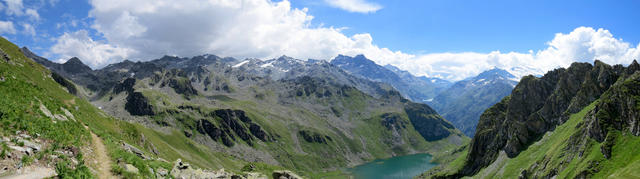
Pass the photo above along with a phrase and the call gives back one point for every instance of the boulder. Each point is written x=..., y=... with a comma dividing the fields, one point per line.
x=130, y=168
x=134, y=150
x=285, y=174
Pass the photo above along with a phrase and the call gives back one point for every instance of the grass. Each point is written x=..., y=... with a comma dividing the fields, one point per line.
x=625, y=162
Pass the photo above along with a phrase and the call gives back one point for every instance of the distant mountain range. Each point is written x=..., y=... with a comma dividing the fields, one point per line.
x=417, y=89
x=462, y=102
x=303, y=115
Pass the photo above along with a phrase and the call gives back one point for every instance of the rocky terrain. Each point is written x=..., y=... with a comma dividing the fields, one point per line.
x=303, y=115
x=548, y=128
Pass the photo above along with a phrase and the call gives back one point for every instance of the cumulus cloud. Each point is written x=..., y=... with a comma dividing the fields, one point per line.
x=6, y=27
x=16, y=8
x=360, y=6
x=239, y=28
x=93, y=53
x=583, y=44
x=148, y=29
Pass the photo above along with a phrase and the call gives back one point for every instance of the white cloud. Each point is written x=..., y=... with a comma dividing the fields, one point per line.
x=16, y=8
x=28, y=29
x=583, y=44
x=361, y=6
x=148, y=29
x=238, y=28
x=93, y=53
x=32, y=13
x=6, y=27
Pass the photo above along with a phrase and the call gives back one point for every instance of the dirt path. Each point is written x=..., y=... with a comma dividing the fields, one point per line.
x=100, y=157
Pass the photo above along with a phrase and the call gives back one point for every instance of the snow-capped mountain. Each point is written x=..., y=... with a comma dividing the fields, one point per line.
x=418, y=89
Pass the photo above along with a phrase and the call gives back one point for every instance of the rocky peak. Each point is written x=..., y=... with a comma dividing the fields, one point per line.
x=634, y=66
x=534, y=107
x=75, y=66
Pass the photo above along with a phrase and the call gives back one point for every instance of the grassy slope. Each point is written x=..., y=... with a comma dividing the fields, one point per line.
x=25, y=86
x=624, y=163
x=26, y=83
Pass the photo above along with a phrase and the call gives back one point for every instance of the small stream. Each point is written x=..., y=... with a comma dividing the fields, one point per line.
x=400, y=167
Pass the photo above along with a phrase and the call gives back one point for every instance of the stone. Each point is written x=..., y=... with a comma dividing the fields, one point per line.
x=134, y=150
x=285, y=174
x=130, y=168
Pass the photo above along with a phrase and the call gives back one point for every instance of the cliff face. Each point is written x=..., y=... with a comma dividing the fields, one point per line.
x=538, y=105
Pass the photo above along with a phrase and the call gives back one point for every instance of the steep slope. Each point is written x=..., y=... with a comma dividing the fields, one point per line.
x=538, y=105
x=464, y=101
x=304, y=115
x=418, y=89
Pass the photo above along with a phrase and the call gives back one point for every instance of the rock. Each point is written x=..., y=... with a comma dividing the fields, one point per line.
x=134, y=150
x=137, y=104
x=312, y=137
x=34, y=146
x=285, y=174
x=60, y=117
x=130, y=168
x=182, y=86
x=25, y=150
x=46, y=111
x=126, y=85
x=162, y=172
x=67, y=113
x=188, y=133
x=254, y=175
x=71, y=88
x=183, y=170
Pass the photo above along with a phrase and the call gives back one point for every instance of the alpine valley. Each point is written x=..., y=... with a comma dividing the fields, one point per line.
x=319, y=89
x=206, y=116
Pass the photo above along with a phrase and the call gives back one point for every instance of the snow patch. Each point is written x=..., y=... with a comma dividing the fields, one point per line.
x=240, y=64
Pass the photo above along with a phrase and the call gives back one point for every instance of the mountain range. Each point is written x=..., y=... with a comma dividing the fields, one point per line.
x=575, y=122
x=462, y=102
x=247, y=116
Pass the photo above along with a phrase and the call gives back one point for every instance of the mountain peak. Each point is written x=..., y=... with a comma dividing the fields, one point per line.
x=75, y=65
x=74, y=60
x=495, y=73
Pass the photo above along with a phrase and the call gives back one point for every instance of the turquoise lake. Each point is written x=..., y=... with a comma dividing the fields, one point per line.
x=401, y=167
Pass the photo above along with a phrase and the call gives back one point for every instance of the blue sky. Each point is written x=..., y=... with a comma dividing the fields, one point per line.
x=481, y=26
x=450, y=39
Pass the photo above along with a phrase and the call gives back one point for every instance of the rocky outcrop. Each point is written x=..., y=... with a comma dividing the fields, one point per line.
x=392, y=121
x=313, y=137
x=125, y=86
x=427, y=122
x=138, y=105
x=206, y=127
x=232, y=122
x=618, y=110
x=182, y=86
x=538, y=105
x=71, y=88
x=285, y=174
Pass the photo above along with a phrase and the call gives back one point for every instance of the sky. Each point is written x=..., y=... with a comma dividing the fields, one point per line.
x=449, y=39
